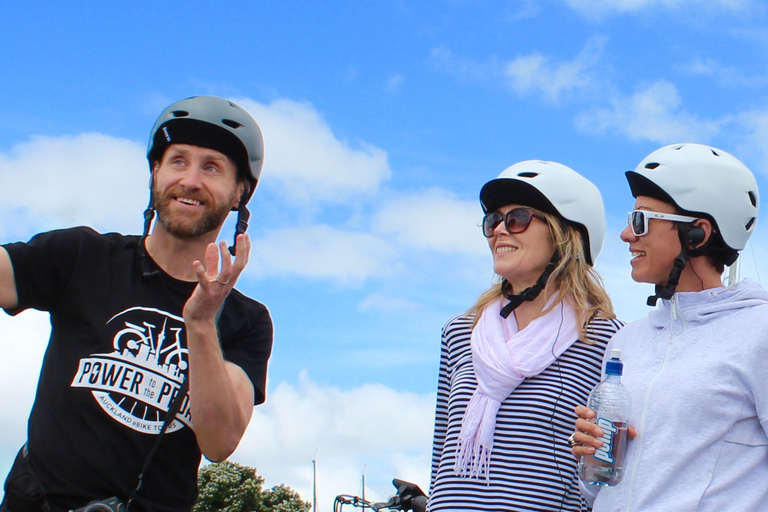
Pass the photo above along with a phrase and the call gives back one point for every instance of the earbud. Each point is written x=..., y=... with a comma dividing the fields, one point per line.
x=695, y=236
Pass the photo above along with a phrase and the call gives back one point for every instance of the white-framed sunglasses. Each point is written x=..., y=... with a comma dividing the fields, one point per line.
x=638, y=220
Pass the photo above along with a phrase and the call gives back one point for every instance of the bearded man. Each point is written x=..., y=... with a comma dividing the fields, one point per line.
x=139, y=320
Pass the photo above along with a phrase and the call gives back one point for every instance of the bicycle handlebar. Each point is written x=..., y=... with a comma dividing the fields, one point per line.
x=408, y=497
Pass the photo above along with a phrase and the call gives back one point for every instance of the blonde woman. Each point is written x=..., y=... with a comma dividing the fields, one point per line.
x=514, y=366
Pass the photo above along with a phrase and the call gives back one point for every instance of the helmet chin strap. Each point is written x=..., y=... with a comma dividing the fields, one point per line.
x=242, y=224
x=149, y=214
x=668, y=290
x=243, y=215
x=529, y=293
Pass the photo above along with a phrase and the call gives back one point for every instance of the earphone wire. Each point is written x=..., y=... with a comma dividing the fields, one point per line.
x=754, y=258
x=563, y=479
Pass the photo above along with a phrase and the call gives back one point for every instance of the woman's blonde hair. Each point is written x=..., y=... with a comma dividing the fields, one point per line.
x=573, y=277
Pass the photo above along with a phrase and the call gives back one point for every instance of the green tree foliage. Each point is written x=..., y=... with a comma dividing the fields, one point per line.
x=231, y=487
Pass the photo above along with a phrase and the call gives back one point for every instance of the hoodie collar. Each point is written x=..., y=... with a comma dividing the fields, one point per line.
x=708, y=305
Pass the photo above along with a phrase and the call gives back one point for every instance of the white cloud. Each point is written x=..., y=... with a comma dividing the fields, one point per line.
x=90, y=179
x=462, y=67
x=433, y=220
x=531, y=73
x=322, y=251
x=23, y=340
x=705, y=67
x=307, y=159
x=371, y=429
x=653, y=113
x=750, y=139
x=731, y=77
x=395, y=83
x=600, y=8
x=536, y=72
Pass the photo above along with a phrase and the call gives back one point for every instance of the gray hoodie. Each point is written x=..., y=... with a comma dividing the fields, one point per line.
x=697, y=370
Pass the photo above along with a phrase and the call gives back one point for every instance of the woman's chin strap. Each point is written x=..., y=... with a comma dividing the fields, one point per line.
x=529, y=293
x=668, y=290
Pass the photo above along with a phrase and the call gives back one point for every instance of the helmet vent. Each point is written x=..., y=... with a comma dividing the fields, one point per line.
x=714, y=152
x=749, y=224
x=231, y=123
x=652, y=165
x=528, y=174
x=752, y=198
x=180, y=113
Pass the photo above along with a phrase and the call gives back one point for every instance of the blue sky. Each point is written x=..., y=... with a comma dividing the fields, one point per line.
x=382, y=120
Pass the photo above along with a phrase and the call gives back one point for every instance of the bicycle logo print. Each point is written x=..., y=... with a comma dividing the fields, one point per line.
x=136, y=382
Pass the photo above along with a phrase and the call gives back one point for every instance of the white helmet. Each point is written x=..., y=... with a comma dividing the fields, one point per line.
x=553, y=188
x=702, y=180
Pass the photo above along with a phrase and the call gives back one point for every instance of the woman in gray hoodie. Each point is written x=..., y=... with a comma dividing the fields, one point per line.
x=696, y=367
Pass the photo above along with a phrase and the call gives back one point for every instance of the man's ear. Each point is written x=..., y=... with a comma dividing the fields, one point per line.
x=153, y=173
x=238, y=194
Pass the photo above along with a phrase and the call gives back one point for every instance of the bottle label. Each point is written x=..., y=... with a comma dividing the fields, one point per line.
x=604, y=453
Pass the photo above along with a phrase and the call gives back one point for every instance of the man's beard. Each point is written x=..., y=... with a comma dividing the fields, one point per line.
x=182, y=226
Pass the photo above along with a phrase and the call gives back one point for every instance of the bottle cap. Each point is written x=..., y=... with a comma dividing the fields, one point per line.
x=614, y=366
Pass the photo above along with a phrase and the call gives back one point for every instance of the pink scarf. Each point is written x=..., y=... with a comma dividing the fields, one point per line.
x=502, y=358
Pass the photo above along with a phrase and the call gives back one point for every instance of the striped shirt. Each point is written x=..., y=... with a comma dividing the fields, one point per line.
x=532, y=468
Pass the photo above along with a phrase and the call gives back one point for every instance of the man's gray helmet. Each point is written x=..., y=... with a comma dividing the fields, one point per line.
x=553, y=188
x=215, y=123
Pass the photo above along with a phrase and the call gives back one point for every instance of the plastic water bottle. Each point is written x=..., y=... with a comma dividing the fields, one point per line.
x=611, y=402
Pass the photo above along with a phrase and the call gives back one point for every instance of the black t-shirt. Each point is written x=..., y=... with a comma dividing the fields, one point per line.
x=116, y=357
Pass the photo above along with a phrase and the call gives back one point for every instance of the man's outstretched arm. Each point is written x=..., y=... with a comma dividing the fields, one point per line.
x=8, y=296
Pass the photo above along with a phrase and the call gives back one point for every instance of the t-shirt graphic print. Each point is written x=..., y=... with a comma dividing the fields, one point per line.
x=136, y=382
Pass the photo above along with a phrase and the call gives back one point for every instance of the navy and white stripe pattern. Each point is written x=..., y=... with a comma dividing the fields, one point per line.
x=532, y=468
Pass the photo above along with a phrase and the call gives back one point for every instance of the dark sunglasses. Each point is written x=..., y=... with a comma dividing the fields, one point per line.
x=638, y=220
x=516, y=220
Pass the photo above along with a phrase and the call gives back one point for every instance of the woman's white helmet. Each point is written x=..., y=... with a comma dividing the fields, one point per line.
x=553, y=188
x=702, y=180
